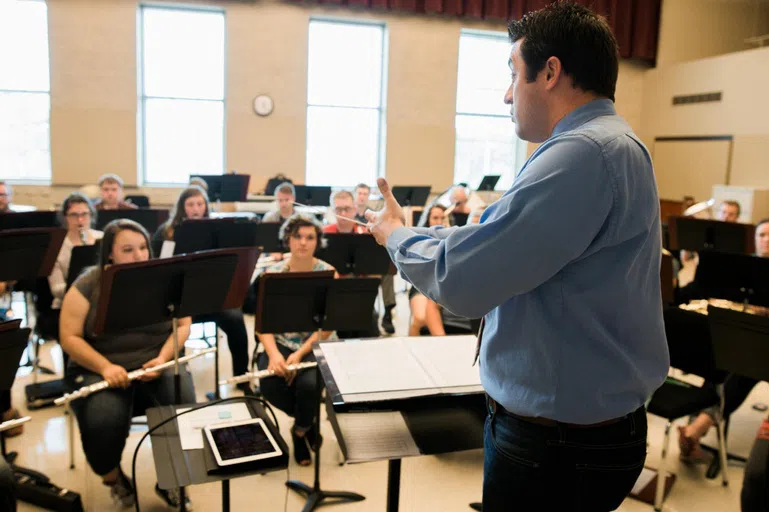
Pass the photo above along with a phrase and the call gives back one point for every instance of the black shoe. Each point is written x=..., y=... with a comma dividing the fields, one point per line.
x=314, y=442
x=387, y=321
x=302, y=454
x=171, y=497
x=122, y=492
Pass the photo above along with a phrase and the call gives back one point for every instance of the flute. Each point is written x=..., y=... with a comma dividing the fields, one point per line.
x=87, y=390
x=247, y=377
x=7, y=425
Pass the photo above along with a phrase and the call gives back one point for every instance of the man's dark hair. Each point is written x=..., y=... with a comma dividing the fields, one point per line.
x=578, y=37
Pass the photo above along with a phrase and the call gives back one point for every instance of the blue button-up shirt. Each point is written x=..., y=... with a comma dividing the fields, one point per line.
x=565, y=267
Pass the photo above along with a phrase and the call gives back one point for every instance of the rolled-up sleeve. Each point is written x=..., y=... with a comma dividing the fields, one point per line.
x=555, y=209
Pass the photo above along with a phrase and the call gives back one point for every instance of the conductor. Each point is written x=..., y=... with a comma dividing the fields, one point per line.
x=564, y=268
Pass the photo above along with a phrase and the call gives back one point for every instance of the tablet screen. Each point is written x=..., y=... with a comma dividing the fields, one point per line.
x=238, y=441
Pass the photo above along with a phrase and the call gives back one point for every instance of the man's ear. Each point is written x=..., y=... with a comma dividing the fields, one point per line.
x=553, y=71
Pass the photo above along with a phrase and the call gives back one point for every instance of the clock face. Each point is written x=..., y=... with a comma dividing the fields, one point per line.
x=263, y=105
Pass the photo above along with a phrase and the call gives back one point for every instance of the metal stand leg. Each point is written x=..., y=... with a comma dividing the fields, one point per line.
x=661, y=472
x=177, y=390
x=71, y=426
x=393, y=484
x=225, y=496
x=315, y=495
x=722, y=437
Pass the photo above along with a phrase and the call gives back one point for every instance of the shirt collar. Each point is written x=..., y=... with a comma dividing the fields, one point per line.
x=583, y=114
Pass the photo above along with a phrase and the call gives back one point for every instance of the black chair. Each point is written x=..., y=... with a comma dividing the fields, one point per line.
x=139, y=200
x=691, y=351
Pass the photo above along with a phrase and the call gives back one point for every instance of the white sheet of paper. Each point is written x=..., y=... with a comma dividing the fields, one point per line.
x=373, y=366
x=167, y=250
x=376, y=436
x=646, y=476
x=448, y=360
x=191, y=424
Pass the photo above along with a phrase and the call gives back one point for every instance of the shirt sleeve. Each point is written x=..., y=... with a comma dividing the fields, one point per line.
x=555, y=209
x=57, y=280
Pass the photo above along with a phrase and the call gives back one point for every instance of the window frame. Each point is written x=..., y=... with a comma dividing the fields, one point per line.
x=141, y=130
x=381, y=109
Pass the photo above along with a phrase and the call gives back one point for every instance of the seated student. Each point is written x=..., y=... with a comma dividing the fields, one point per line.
x=7, y=412
x=105, y=416
x=343, y=205
x=459, y=198
x=424, y=312
x=285, y=195
x=111, y=191
x=296, y=394
x=736, y=387
x=193, y=204
x=200, y=182
x=78, y=216
x=362, y=194
x=6, y=196
x=729, y=211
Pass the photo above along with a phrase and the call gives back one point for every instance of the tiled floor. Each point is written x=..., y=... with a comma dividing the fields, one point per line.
x=441, y=483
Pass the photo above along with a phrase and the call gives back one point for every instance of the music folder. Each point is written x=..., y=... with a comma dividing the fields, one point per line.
x=83, y=256
x=27, y=220
x=359, y=254
x=688, y=233
x=195, y=235
x=149, y=218
x=411, y=195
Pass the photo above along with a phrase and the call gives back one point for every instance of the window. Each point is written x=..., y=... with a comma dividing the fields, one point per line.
x=345, y=92
x=25, y=91
x=181, y=93
x=485, y=135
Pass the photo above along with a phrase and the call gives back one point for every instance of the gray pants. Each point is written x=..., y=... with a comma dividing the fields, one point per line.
x=388, y=290
x=105, y=416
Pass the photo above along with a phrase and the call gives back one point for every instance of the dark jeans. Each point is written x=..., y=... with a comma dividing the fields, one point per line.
x=7, y=495
x=755, y=486
x=529, y=466
x=105, y=416
x=300, y=398
x=231, y=322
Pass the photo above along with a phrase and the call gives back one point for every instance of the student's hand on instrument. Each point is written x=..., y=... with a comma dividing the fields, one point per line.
x=149, y=364
x=294, y=358
x=277, y=364
x=390, y=217
x=116, y=376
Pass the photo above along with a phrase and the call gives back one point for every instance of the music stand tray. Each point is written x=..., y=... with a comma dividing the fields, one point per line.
x=488, y=183
x=207, y=234
x=411, y=195
x=83, y=256
x=313, y=195
x=27, y=220
x=687, y=233
x=358, y=254
x=149, y=218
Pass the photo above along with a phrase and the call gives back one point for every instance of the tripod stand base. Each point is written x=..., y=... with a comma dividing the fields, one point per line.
x=315, y=497
x=476, y=506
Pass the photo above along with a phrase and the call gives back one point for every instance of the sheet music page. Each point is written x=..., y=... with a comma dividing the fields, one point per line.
x=167, y=249
x=376, y=436
x=375, y=366
x=191, y=424
x=448, y=360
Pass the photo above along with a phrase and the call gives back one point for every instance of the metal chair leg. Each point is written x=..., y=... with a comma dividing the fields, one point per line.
x=661, y=472
x=71, y=427
x=721, y=431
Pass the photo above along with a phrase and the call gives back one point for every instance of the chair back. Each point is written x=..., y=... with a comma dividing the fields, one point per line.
x=740, y=342
x=689, y=344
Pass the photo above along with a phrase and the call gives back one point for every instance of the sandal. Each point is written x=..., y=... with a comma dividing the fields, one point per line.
x=302, y=454
x=12, y=414
x=690, y=448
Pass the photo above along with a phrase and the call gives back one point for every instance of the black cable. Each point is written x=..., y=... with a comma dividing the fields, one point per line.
x=167, y=420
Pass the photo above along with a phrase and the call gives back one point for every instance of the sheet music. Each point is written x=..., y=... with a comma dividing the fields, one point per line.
x=373, y=366
x=167, y=249
x=448, y=360
x=399, y=368
x=191, y=424
x=376, y=436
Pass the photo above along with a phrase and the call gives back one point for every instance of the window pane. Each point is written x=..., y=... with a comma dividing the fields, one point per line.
x=483, y=75
x=183, y=53
x=485, y=145
x=345, y=64
x=25, y=151
x=182, y=137
x=24, y=46
x=342, y=146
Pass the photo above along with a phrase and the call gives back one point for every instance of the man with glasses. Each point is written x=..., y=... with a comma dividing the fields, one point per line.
x=343, y=205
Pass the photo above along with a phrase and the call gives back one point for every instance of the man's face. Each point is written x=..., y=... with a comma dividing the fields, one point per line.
x=285, y=204
x=361, y=196
x=762, y=240
x=526, y=100
x=5, y=198
x=344, y=206
x=728, y=213
x=111, y=193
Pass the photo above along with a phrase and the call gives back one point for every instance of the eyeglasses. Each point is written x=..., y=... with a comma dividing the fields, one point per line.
x=75, y=215
x=343, y=209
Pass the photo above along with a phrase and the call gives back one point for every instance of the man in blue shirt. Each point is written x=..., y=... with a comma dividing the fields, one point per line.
x=564, y=268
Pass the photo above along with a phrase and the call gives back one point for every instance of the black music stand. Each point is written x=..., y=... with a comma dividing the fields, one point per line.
x=267, y=237
x=207, y=234
x=149, y=218
x=225, y=187
x=735, y=277
x=170, y=289
x=13, y=341
x=26, y=220
x=314, y=301
x=687, y=233
x=488, y=183
x=83, y=256
x=312, y=195
x=27, y=255
x=359, y=254
x=411, y=196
